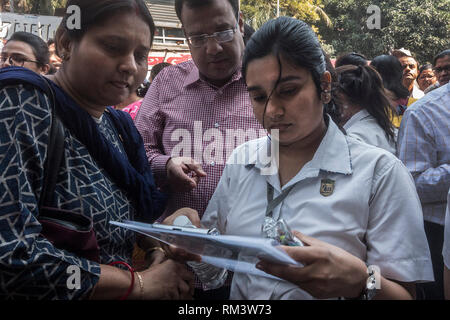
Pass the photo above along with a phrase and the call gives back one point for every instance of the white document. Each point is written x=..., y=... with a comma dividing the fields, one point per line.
x=235, y=253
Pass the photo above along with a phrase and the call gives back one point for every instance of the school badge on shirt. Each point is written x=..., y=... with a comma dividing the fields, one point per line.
x=327, y=187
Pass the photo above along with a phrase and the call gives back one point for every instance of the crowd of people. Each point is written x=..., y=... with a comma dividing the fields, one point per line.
x=363, y=160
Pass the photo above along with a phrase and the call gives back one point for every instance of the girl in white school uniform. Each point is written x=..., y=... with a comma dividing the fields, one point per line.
x=343, y=194
x=365, y=108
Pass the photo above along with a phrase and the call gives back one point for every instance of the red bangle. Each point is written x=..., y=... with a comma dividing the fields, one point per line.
x=132, y=278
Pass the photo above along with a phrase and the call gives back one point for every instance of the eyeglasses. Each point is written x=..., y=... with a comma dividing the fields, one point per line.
x=442, y=69
x=16, y=60
x=221, y=37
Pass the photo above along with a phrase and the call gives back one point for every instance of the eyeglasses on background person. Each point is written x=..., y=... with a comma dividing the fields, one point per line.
x=220, y=36
x=16, y=60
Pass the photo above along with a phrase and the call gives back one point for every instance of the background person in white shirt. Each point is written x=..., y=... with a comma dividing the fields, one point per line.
x=343, y=193
x=366, y=109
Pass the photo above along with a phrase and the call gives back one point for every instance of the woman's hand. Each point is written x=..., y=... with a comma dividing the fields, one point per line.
x=169, y=280
x=188, y=212
x=173, y=252
x=328, y=271
x=155, y=257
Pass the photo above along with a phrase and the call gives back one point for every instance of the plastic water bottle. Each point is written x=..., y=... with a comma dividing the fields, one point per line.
x=210, y=276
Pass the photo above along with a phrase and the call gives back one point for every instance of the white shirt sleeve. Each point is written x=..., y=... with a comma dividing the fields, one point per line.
x=218, y=207
x=396, y=241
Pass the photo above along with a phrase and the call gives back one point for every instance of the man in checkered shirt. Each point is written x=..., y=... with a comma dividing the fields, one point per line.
x=423, y=146
x=197, y=112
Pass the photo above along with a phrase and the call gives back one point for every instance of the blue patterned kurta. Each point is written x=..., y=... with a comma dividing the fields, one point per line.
x=30, y=266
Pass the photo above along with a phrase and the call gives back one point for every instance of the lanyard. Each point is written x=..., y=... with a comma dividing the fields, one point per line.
x=277, y=229
x=273, y=203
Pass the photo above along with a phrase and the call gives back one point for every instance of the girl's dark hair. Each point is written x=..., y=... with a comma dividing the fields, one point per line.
x=39, y=47
x=391, y=71
x=332, y=108
x=95, y=12
x=292, y=40
x=353, y=58
x=363, y=87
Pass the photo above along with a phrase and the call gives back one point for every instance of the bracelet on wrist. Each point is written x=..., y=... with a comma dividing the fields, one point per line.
x=141, y=285
x=130, y=288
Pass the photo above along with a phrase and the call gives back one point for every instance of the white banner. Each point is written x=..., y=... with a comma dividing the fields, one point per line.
x=42, y=26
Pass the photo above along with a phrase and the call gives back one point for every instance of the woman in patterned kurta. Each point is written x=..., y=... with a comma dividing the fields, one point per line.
x=104, y=175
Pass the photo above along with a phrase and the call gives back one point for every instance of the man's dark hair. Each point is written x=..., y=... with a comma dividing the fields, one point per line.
x=426, y=66
x=201, y=3
x=157, y=69
x=441, y=55
x=39, y=47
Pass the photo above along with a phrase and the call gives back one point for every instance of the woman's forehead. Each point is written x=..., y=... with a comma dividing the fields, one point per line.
x=128, y=25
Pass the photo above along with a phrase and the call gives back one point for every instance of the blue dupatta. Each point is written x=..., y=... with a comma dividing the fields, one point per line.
x=132, y=175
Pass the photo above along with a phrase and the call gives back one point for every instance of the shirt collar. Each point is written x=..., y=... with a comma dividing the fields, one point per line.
x=333, y=154
x=355, y=118
x=194, y=76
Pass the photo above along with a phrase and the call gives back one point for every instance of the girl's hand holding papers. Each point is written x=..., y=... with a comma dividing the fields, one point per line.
x=329, y=271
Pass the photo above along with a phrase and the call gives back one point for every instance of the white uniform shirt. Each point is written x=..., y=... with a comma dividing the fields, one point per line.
x=374, y=211
x=446, y=248
x=416, y=92
x=365, y=128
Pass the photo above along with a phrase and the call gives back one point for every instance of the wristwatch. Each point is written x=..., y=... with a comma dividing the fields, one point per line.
x=371, y=286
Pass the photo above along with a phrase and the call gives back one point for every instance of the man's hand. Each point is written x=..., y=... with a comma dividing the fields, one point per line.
x=184, y=173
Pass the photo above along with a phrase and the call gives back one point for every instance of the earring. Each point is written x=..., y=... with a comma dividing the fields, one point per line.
x=326, y=96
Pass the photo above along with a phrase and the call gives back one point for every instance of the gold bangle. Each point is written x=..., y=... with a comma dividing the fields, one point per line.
x=141, y=284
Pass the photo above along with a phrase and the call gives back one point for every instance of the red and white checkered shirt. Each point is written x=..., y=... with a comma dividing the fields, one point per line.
x=184, y=115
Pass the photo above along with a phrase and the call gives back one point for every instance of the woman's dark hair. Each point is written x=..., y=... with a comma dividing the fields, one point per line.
x=157, y=68
x=292, y=40
x=95, y=12
x=39, y=47
x=362, y=86
x=352, y=58
x=201, y=3
x=391, y=71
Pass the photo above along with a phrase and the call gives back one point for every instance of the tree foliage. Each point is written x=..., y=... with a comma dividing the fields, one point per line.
x=422, y=26
x=41, y=7
x=257, y=12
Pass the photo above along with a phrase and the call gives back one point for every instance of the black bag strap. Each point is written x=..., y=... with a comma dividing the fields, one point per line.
x=55, y=151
